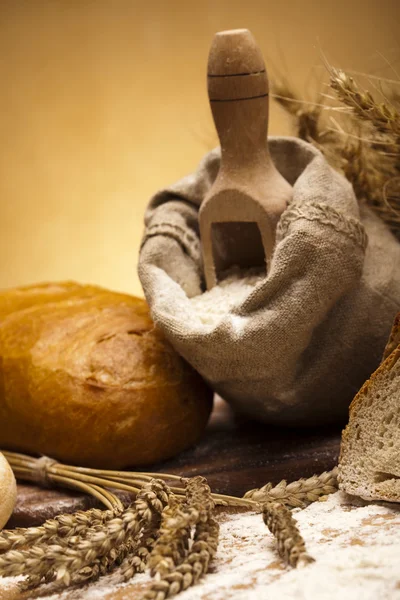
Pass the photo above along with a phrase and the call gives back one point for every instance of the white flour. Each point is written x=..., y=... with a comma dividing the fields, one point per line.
x=356, y=546
x=213, y=305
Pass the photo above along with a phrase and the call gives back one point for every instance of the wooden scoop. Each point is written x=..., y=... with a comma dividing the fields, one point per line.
x=239, y=215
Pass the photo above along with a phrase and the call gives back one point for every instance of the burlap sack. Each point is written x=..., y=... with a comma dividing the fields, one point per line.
x=309, y=334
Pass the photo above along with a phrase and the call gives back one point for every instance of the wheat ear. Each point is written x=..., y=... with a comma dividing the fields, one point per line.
x=68, y=557
x=385, y=118
x=149, y=504
x=198, y=513
x=280, y=522
x=62, y=527
x=172, y=544
x=297, y=494
x=136, y=561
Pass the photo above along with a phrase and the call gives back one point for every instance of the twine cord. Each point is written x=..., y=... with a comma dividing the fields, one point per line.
x=40, y=473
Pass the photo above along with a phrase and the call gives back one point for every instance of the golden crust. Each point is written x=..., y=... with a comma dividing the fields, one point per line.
x=394, y=339
x=86, y=378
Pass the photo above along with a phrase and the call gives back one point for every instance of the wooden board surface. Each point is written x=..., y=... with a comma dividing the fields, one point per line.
x=235, y=456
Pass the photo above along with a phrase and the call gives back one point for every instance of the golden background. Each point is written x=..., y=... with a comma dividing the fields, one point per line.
x=103, y=102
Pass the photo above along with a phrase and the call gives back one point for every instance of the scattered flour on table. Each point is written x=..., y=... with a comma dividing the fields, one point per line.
x=356, y=546
x=214, y=304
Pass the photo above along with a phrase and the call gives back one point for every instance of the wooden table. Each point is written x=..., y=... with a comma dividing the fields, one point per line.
x=235, y=455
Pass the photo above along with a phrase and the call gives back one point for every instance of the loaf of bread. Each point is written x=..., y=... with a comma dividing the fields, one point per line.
x=369, y=464
x=8, y=491
x=86, y=378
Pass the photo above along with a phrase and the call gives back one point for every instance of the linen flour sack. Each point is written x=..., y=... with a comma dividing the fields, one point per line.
x=292, y=346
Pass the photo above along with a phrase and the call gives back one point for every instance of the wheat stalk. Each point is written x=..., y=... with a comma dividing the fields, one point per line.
x=366, y=175
x=372, y=166
x=366, y=151
x=64, y=559
x=193, y=567
x=103, y=565
x=298, y=493
x=62, y=527
x=176, y=523
x=280, y=522
x=308, y=116
x=193, y=563
x=149, y=504
x=384, y=117
x=172, y=543
x=46, y=471
x=137, y=561
x=156, y=530
x=94, y=551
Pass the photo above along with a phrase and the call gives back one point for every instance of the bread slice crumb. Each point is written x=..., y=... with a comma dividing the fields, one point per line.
x=369, y=463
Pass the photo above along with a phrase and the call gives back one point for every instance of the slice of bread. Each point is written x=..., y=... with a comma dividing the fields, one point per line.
x=394, y=339
x=369, y=463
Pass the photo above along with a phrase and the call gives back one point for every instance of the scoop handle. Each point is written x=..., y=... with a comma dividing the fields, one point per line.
x=238, y=92
x=239, y=214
